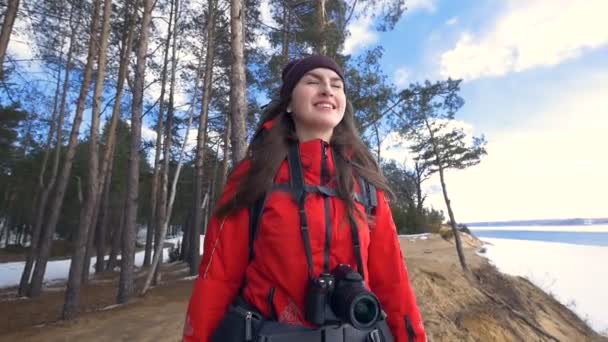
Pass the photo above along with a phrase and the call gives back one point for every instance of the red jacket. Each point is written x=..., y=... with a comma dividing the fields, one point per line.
x=280, y=259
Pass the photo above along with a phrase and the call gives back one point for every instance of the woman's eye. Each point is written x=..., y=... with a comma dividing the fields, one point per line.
x=313, y=82
x=337, y=86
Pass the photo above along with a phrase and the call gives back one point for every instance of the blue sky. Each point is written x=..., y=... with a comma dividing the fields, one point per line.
x=535, y=83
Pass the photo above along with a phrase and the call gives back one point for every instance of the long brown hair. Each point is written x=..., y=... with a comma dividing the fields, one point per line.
x=269, y=149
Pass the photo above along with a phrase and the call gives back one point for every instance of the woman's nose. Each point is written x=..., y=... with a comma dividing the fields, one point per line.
x=326, y=89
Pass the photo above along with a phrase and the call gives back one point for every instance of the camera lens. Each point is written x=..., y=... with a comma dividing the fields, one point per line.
x=364, y=311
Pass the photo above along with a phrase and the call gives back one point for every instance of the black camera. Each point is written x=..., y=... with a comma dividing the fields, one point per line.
x=341, y=296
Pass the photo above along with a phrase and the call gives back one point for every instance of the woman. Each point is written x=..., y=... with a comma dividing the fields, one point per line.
x=314, y=119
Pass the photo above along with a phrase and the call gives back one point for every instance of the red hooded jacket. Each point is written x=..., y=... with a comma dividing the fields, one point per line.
x=279, y=266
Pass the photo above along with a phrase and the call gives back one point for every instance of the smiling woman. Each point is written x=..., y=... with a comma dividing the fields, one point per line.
x=303, y=246
x=318, y=104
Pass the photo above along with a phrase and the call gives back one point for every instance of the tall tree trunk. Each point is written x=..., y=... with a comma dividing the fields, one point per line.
x=161, y=210
x=163, y=207
x=157, y=179
x=7, y=29
x=125, y=286
x=2, y=228
x=116, y=239
x=19, y=233
x=185, y=251
x=8, y=231
x=44, y=190
x=201, y=142
x=157, y=253
x=420, y=198
x=378, y=143
x=459, y=250
x=227, y=134
x=321, y=24
x=52, y=127
x=109, y=146
x=286, y=33
x=40, y=190
x=83, y=242
x=49, y=231
x=238, y=86
x=213, y=190
x=103, y=221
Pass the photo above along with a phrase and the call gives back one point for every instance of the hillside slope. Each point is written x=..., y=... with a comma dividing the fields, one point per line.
x=490, y=307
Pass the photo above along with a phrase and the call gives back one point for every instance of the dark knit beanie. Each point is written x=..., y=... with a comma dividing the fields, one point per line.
x=296, y=69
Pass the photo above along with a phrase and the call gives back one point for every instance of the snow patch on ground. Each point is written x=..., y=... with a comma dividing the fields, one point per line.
x=57, y=270
x=599, y=228
x=575, y=275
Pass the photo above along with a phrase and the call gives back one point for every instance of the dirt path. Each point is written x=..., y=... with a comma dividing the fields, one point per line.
x=157, y=317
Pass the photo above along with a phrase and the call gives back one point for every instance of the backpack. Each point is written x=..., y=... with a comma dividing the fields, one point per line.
x=367, y=197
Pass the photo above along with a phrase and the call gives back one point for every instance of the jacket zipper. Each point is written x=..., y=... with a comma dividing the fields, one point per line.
x=270, y=299
x=411, y=334
x=248, y=328
x=324, y=181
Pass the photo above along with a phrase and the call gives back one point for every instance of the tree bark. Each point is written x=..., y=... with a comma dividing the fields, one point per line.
x=116, y=240
x=461, y=257
x=201, y=143
x=286, y=33
x=238, y=86
x=62, y=181
x=227, y=134
x=110, y=143
x=83, y=241
x=378, y=143
x=157, y=178
x=7, y=29
x=43, y=198
x=420, y=197
x=125, y=286
x=163, y=231
x=161, y=211
x=186, y=239
x=103, y=222
x=321, y=23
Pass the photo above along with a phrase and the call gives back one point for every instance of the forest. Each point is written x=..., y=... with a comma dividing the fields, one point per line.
x=120, y=121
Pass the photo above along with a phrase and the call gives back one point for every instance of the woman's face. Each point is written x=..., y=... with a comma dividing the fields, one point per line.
x=318, y=103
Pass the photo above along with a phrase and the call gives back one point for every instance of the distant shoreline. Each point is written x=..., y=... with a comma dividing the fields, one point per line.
x=549, y=222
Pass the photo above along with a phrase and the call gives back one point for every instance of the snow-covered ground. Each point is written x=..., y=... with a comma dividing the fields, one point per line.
x=598, y=228
x=575, y=275
x=58, y=270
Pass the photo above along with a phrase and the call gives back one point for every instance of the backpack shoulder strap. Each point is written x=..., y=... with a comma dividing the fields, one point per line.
x=255, y=212
x=368, y=194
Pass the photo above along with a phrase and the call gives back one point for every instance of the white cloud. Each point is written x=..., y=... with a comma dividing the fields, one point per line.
x=395, y=147
x=21, y=48
x=554, y=169
x=361, y=35
x=428, y=5
x=266, y=18
x=452, y=21
x=266, y=14
x=529, y=34
x=147, y=133
x=402, y=77
x=192, y=138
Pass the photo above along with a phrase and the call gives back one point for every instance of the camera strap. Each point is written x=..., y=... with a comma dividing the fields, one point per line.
x=296, y=179
x=299, y=191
